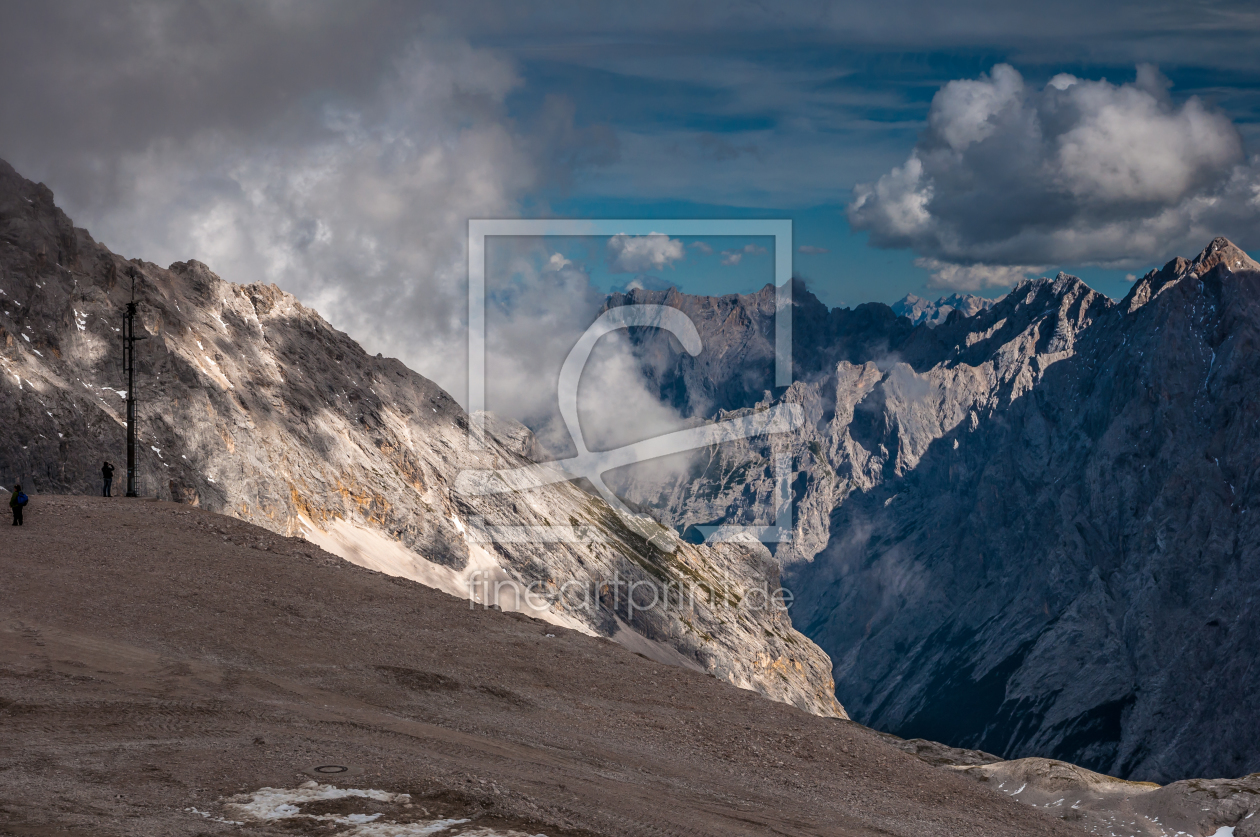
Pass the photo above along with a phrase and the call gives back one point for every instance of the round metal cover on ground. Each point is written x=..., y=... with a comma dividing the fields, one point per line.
x=332, y=771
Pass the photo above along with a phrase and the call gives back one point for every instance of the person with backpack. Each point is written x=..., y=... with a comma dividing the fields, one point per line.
x=16, y=501
x=107, y=473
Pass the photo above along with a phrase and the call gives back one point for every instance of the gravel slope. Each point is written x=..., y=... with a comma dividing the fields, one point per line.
x=156, y=658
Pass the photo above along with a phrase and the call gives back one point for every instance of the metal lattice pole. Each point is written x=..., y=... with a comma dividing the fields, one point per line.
x=129, y=365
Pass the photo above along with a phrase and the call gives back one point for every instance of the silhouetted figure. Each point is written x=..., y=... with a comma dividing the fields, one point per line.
x=16, y=501
x=107, y=473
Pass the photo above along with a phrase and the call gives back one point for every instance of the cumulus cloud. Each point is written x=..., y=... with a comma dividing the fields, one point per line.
x=811, y=250
x=1080, y=171
x=703, y=248
x=364, y=218
x=557, y=262
x=641, y=253
x=730, y=258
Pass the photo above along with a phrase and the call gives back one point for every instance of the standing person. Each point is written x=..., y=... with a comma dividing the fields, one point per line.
x=16, y=501
x=107, y=472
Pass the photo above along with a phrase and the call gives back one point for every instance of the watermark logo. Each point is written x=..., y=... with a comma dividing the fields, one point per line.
x=622, y=596
x=592, y=465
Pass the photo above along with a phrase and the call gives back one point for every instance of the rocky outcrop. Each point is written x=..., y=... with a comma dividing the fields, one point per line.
x=1100, y=804
x=1029, y=531
x=1104, y=804
x=253, y=406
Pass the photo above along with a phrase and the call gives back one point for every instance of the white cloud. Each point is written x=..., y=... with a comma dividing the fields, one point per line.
x=962, y=111
x=352, y=190
x=974, y=277
x=641, y=253
x=703, y=248
x=1079, y=171
x=532, y=323
x=557, y=262
x=730, y=258
x=616, y=405
x=895, y=208
x=363, y=218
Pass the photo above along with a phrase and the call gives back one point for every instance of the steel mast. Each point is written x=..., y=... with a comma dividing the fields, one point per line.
x=129, y=365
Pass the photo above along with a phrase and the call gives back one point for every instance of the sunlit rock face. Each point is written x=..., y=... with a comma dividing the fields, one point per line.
x=1029, y=531
x=252, y=405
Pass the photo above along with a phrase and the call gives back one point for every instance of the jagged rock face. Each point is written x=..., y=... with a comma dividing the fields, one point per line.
x=252, y=405
x=921, y=311
x=735, y=370
x=875, y=391
x=1031, y=530
x=1075, y=578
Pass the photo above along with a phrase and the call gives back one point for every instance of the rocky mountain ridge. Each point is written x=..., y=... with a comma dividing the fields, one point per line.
x=870, y=385
x=252, y=405
x=922, y=311
x=1027, y=530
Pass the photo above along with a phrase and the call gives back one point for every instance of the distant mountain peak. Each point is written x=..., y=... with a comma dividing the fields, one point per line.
x=1222, y=251
x=921, y=311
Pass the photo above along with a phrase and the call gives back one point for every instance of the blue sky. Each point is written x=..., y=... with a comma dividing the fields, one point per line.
x=785, y=125
x=849, y=273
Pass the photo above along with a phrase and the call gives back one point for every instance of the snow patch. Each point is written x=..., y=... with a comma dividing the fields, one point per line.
x=278, y=804
x=282, y=803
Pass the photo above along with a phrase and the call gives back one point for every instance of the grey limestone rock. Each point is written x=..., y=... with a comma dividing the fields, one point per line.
x=252, y=405
x=1029, y=531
